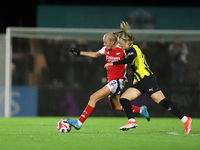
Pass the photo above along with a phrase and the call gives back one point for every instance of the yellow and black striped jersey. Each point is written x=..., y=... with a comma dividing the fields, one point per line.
x=138, y=62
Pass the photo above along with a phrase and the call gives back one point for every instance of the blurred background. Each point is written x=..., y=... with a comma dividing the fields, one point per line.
x=25, y=13
x=48, y=81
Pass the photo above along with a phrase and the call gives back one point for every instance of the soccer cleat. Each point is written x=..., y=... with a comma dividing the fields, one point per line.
x=144, y=112
x=129, y=125
x=74, y=123
x=187, y=125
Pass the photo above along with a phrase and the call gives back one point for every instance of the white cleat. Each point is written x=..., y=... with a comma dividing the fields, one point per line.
x=129, y=125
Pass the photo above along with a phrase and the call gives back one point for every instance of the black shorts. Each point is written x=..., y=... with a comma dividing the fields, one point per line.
x=147, y=85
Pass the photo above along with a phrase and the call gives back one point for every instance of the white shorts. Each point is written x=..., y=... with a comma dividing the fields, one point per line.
x=116, y=86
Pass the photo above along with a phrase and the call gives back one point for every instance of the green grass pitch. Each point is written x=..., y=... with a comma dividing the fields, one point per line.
x=98, y=133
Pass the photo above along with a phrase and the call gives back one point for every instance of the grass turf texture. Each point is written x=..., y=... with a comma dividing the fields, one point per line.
x=97, y=133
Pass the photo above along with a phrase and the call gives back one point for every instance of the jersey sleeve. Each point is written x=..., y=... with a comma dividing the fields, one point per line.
x=102, y=50
x=131, y=54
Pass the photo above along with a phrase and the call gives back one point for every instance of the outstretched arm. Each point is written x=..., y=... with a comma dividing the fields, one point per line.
x=89, y=54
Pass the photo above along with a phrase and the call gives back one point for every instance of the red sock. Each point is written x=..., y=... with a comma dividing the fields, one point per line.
x=86, y=113
x=135, y=109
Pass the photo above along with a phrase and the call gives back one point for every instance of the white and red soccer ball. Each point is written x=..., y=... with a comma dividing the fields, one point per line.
x=63, y=126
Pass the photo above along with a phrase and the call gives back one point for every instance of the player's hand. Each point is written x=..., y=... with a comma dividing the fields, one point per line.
x=74, y=51
x=134, y=81
x=107, y=65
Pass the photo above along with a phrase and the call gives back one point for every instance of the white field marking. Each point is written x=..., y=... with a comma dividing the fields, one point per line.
x=175, y=133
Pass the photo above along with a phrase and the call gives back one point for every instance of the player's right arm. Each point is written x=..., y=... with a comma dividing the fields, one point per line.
x=84, y=53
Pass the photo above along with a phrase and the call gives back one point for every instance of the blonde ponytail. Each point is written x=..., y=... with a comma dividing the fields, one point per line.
x=125, y=27
x=124, y=33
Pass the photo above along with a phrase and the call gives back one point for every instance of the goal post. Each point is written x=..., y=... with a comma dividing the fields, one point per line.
x=31, y=45
x=8, y=73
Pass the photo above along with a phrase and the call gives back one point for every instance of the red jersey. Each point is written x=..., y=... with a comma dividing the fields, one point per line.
x=114, y=72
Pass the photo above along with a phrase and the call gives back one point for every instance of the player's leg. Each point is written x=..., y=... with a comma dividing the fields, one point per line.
x=115, y=87
x=127, y=96
x=114, y=102
x=100, y=94
x=115, y=105
x=160, y=99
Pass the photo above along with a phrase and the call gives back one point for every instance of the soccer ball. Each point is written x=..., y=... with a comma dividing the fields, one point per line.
x=63, y=126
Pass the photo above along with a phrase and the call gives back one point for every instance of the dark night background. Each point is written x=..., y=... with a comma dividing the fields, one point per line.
x=22, y=13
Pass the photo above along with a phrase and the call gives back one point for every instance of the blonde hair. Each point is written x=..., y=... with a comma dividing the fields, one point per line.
x=124, y=33
x=111, y=36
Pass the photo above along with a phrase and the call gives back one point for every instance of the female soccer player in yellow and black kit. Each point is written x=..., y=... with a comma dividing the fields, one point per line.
x=144, y=81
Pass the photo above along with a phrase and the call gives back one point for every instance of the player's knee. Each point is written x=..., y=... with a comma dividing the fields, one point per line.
x=93, y=98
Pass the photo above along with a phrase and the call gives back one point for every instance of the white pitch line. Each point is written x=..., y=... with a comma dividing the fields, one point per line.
x=175, y=133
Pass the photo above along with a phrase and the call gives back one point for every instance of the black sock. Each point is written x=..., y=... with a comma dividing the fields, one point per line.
x=127, y=107
x=170, y=106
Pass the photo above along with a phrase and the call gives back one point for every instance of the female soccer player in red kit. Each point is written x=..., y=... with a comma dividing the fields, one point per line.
x=116, y=78
x=145, y=81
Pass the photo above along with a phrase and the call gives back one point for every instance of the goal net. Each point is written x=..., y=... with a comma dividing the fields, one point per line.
x=42, y=78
